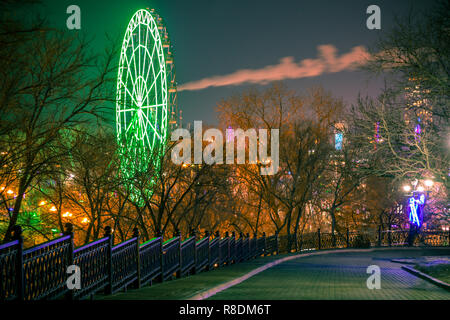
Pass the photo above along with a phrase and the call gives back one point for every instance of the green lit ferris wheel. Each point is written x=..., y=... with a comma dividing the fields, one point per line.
x=146, y=94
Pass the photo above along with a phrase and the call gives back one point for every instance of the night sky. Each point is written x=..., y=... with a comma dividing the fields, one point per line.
x=215, y=38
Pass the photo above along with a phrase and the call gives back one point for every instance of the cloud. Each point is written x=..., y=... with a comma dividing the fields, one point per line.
x=326, y=62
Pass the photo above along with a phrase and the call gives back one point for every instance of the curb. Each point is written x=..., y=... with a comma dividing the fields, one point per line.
x=402, y=261
x=428, y=278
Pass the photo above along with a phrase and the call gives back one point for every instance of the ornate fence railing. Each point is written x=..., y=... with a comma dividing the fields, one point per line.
x=41, y=272
x=188, y=256
x=238, y=250
x=202, y=251
x=232, y=257
x=224, y=246
x=171, y=258
x=124, y=262
x=214, y=252
x=10, y=282
x=271, y=245
x=150, y=260
x=44, y=269
x=245, y=251
x=92, y=259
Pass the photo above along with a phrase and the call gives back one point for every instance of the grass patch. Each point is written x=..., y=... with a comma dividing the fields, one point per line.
x=438, y=271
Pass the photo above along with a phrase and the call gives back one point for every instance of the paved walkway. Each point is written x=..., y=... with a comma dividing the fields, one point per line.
x=187, y=287
x=337, y=275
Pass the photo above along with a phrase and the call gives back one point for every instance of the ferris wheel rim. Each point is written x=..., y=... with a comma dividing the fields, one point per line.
x=142, y=111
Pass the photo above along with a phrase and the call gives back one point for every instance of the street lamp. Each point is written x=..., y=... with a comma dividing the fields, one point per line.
x=428, y=183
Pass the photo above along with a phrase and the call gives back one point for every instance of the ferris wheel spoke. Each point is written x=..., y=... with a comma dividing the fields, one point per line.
x=151, y=125
x=136, y=80
x=145, y=132
x=151, y=66
x=133, y=54
x=139, y=53
x=129, y=93
x=126, y=110
x=143, y=65
x=154, y=106
x=153, y=83
x=155, y=76
x=129, y=71
x=142, y=82
x=132, y=122
x=139, y=127
x=146, y=43
x=147, y=138
x=129, y=127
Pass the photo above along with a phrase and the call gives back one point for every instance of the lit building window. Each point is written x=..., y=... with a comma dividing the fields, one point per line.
x=338, y=138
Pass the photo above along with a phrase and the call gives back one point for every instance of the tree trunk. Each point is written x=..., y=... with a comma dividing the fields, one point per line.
x=17, y=205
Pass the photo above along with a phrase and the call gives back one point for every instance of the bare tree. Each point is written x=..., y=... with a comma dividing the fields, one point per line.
x=304, y=123
x=53, y=84
x=409, y=122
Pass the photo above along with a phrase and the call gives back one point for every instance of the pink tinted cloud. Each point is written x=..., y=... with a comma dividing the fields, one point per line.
x=326, y=62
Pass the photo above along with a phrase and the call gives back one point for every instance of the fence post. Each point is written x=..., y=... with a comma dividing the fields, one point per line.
x=255, y=250
x=138, y=258
x=227, y=237
x=209, y=250
x=17, y=235
x=318, y=239
x=161, y=254
x=249, y=243
x=389, y=235
x=348, y=239
x=276, y=243
x=108, y=233
x=192, y=234
x=295, y=242
x=69, y=232
x=177, y=234
x=379, y=236
x=217, y=235
x=233, y=235
x=265, y=245
x=333, y=239
x=241, y=236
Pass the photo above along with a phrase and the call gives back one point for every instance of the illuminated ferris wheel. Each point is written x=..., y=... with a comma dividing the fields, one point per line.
x=146, y=93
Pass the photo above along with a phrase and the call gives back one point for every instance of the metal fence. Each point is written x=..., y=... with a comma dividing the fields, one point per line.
x=40, y=272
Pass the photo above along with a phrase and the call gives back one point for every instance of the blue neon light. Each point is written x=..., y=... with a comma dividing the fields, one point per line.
x=338, y=138
x=414, y=209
